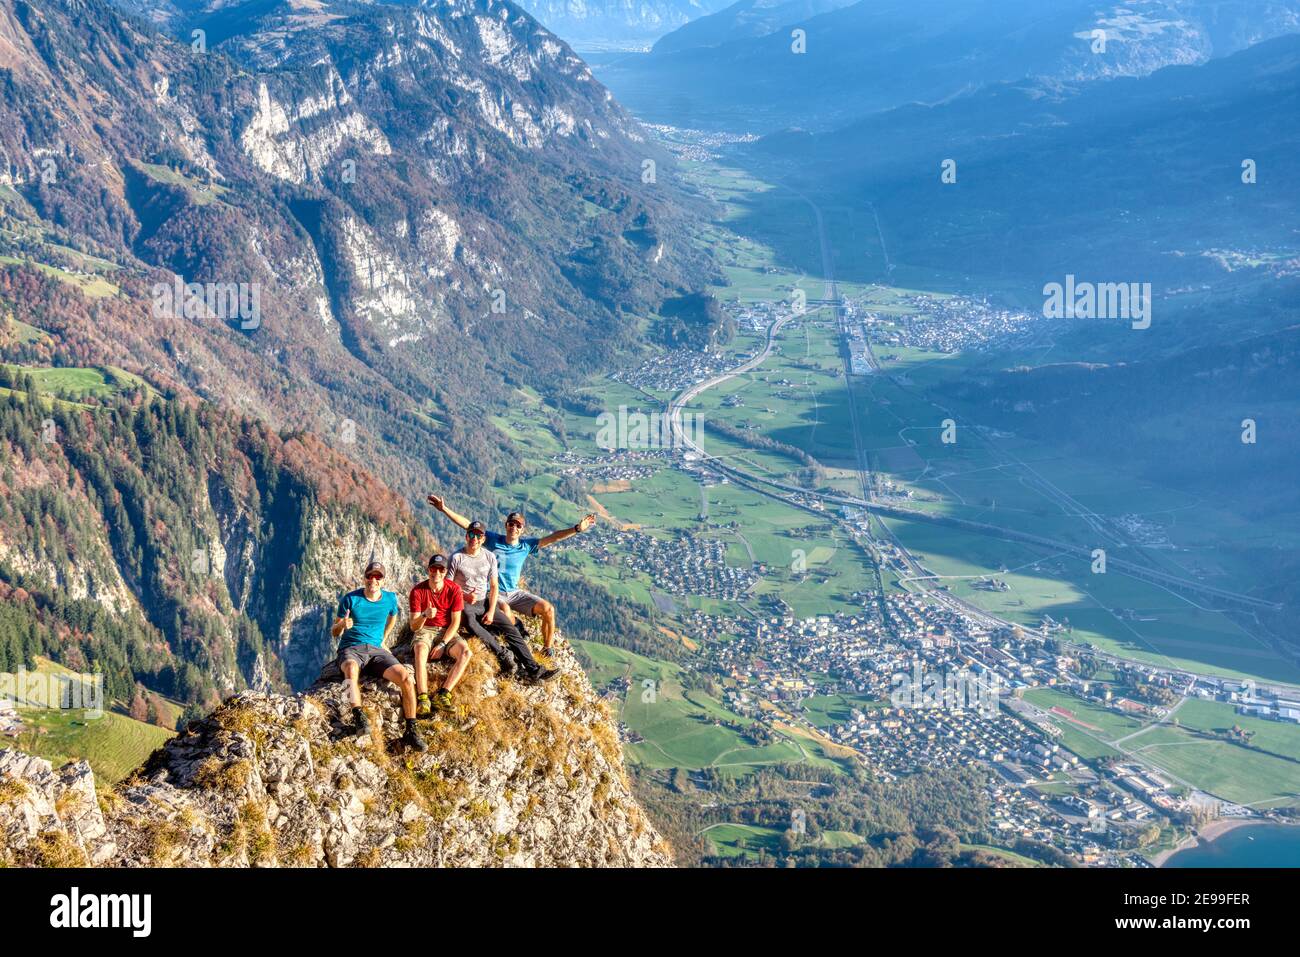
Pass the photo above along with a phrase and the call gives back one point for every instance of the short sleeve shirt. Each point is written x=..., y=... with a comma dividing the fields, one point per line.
x=439, y=604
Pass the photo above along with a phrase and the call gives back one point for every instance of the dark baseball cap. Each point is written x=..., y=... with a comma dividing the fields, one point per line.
x=518, y=515
x=476, y=528
x=376, y=567
x=439, y=560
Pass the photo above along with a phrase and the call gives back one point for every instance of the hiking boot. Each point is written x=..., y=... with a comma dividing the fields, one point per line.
x=422, y=707
x=360, y=723
x=540, y=675
x=442, y=701
x=413, y=739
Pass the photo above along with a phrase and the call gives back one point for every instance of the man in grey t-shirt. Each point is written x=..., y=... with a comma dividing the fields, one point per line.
x=474, y=569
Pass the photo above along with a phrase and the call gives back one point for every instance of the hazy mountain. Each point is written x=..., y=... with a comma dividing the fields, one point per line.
x=747, y=18
x=616, y=24
x=1134, y=178
x=876, y=55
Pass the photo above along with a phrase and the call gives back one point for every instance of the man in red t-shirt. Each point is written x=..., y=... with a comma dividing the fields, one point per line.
x=437, y=604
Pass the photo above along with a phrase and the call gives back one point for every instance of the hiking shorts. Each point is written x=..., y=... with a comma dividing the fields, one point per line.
x=521, y=601
x=373, y=661
x=437, y=648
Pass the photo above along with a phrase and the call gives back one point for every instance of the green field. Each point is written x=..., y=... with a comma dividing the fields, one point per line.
x=1093, y=723
x=736, y=840
x=679, y=725
x=114, y=744
x=1221, y=768
x=199, y=192
x=826, y=711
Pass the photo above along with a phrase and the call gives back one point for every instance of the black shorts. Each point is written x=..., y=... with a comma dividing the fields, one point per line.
x=372, y=661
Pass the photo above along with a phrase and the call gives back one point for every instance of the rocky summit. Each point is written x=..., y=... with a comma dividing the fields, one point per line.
x=517, y=776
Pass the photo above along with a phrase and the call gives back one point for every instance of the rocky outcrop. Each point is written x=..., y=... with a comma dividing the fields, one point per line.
x=522, y=776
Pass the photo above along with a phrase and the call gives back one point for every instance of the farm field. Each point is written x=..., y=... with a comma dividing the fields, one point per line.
x=1221, y=768
x=678, y=724
x=114, y=744
x=1115, y=613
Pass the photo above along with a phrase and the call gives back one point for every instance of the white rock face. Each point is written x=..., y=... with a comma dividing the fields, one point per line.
x=383, y=278
x=439, y=237
x=277, y=142
x=78, y=581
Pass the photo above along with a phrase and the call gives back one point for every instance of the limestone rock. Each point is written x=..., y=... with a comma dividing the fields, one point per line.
x=521, y=776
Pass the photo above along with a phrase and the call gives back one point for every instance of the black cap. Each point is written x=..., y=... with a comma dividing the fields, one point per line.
x=376, y=567
x=476, y=528
x=439, y=560
x=518, y=515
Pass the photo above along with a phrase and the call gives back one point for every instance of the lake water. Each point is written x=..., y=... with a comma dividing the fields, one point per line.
x=1256, y=845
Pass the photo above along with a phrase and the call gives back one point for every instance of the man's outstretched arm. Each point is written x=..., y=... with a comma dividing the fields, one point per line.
x=437, y=502
x=561, y=534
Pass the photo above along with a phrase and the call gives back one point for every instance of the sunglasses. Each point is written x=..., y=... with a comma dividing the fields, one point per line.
x=437, y=568
x=514, y=523
x=374, y=578
x=473, y=534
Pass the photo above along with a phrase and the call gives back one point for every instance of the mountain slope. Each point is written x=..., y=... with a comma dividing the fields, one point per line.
x=182, y=546
x=878, y=55
x=747, y=18
x=531, y=777
x=412, y=190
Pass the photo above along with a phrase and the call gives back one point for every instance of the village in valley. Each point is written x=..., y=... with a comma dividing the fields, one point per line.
x=920, y=683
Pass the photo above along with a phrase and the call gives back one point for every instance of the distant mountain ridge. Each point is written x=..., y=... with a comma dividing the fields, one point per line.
x=747, y=18
x=1152, y=170
x=879, y=54
x=616, y=24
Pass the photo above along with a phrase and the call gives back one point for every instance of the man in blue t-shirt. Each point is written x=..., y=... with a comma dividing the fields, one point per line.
x=364, y=620
x=512, y=550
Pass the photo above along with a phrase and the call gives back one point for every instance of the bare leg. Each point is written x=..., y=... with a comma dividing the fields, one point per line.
x=547, y=613
x=399, y=676
x=352, y=672
x=460, y=656
x=421, y=666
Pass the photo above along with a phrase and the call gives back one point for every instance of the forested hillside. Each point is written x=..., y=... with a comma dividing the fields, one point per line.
x=178, y=545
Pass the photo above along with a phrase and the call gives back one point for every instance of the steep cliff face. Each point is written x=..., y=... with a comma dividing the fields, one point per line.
x=524, y=777
x=183, y=547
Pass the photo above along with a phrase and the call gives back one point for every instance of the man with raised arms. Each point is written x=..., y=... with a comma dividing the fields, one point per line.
x=511, y=550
